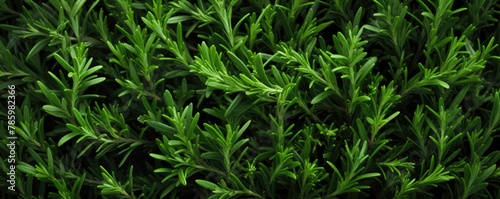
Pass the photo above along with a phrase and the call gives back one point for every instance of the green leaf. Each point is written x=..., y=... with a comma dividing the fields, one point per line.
x=238, y=183
x=429, y=15
x=289, y=174
x=26, y=168
x=76, y=8
x=321, y=97
x=239, y=64
x=63, y=63
x=336, y=56
x=259, y=67
x=178, y=19
x=159, y=157
x=162, y=128
x=367, y=67
x=182, y=177
x=211, y=155
x=93, y=82
x=37, y=48
x=55, y=111
x=394, y=115
x=370, y=121
x=277, y=76
x=49, y=95
x=442, y=84
x=67, y=137
x=209, y=185
x=79, y=117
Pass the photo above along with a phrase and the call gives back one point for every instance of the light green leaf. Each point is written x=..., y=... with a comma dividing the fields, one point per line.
x=67, y=137
x=63, y=63
x=55, y=111
x=93, y=82
x=392, y=116
x=442, y=84
x=37, y=48
x=209, y=185
x=162, y=128
x=321, y=97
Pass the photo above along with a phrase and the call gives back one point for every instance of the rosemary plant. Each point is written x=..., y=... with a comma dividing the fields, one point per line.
x=249, y=99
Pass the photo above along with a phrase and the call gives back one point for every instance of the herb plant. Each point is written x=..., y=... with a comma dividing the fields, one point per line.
x=250, y=99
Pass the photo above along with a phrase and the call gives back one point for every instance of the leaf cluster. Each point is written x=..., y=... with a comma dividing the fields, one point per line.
x=252, y=99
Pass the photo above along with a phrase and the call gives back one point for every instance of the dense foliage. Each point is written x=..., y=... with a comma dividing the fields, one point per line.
x=251, y=99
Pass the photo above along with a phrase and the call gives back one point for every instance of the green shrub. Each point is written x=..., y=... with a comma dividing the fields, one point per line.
x=250, y=99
